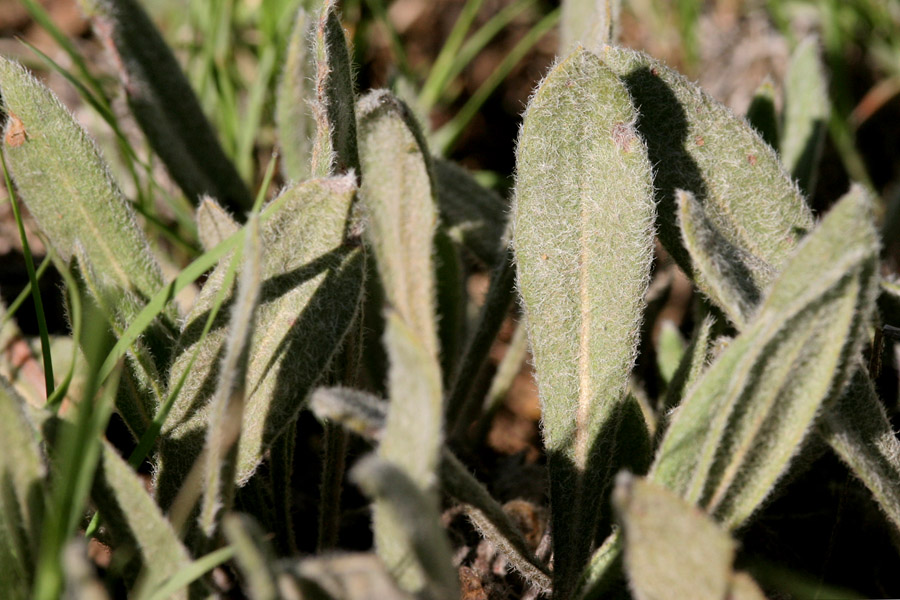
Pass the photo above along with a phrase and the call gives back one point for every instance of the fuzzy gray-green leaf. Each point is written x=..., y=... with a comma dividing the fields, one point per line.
x=723, y=271
x=164, y=104
x=68, y=188
x=858, y=430
x=335, y=148
x=583, y=238
x=214, y=224
x=133, y=518
x=227, y=402
x=698, y=145
x=311, y=284
x=296, y=123
x=355, y=576
x=591, y=23
x=419, y=540
x=472, y=215
x=806, y=113
x=736, y=432
x=400, y=206
x=672, y=549
x=22, y=494
x=691, y=366
x=412, y=438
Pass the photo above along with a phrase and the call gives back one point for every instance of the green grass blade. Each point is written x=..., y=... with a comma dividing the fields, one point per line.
x=806, y=113
x=309, y=297
x=294, y=118
x=440, y=72
x=254, y=557
x=698, y=145
x=49, y=382
x=752, y=408
x=583, y=238
x=191, y=573
x=164, y=104
x=446, y=137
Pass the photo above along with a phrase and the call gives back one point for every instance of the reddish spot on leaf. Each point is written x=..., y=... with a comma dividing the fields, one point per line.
x=622, y=135
x=653, y=71
x=15, y=132
x=544, y=257
x=699, y=140
x=751, y=159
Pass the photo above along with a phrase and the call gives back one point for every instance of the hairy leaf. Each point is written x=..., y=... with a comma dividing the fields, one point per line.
x=806, y=113
x=590, y=23
x=22, y=494
x=312, y=278
x=735, y=433
x=420, y=538
x=698, y=145
x=335, y=148
x=400, y=206
x=214, y=224
x=227, y=403
x=294, y=98
x=473, y=216
x=583, y=239
x=164, y=104
x=761, y=113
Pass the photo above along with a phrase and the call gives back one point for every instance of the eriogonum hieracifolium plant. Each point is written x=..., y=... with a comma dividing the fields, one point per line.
x=343, y=296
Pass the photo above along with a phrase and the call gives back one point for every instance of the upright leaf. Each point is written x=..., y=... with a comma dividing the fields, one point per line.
x=420, y=535
x=806, y=113
x=583, y=238
x=22, y=494
x=76, y=202
x=227, y=403
x=735, y=433
x=697, y=145
x=164, y=104
x=312, y=277
x=590, y=23
x=672, y=549
x=214, y=224
x=401, y=211
x=335, y=148
x=398, y=197
x=296, y=124
x=253, y=555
